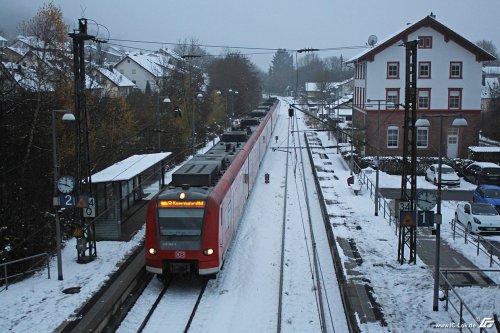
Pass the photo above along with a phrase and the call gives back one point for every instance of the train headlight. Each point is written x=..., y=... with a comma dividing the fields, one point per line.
x=208, y=252
x=152, y=251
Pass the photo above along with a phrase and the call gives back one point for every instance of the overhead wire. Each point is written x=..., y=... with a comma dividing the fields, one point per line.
x=238, y=47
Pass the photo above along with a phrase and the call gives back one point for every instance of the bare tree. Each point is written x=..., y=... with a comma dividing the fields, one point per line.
x=48, y=34
x=488, y=46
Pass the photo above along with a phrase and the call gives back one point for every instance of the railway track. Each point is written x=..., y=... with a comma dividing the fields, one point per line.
x=172, y=303
x=296, y=177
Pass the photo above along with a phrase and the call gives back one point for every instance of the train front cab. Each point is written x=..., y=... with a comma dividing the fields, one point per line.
x=182, y=241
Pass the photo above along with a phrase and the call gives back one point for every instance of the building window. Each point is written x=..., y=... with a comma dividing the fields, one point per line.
x=455, y=70
x=393, y=70
x=134, y=71
x=455, y=98
x=392, y=137
x=422, y=137
x=392, y=98
x=424, y=99
x=360, y=70
x=425, y=42
x=424, y=70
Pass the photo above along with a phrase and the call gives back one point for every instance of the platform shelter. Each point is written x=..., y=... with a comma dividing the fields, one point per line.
x=122, y=189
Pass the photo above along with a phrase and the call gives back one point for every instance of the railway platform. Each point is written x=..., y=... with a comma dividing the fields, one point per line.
x=357, y=242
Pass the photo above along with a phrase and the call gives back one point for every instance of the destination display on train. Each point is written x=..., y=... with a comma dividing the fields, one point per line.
x=182, y=203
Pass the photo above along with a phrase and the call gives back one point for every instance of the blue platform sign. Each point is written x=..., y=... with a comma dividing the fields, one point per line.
x=67, y=201
x=426, y=218
x=70, y=201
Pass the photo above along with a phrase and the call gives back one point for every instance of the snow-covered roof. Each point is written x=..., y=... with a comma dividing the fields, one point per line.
x=128, y=168
x=116, y=77
x=484, y=149
x=315, y=86
x=18, y=50
x=491, y=70
x=27, y=78
x=171, y=53
x=115, y=51
x=152, y=62
x=2, y=39
x=428, y=21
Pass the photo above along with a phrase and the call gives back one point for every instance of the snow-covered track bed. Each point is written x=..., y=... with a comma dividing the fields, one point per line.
x=171, y=305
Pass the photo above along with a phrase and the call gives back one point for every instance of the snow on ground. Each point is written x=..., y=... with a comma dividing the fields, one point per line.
x=403, y=291
x=244, y=298
x=38, y=303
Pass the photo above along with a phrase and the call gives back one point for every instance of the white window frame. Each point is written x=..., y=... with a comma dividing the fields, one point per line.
x=393, y=132
x=422, y=138
x=422, y=93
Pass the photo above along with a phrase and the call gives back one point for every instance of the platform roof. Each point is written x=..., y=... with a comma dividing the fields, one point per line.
x=128, y=168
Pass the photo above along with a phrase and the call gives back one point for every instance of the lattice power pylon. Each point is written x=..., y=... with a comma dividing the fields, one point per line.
x=408, y=233
x=86, y=240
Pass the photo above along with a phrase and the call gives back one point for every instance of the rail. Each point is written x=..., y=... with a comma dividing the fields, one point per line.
x=383, y=205
x=482, y=244
x=462, y=306
x=351, y=319
x=33, y=268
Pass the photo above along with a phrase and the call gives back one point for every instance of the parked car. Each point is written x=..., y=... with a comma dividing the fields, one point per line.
x=487, y=194
x=478, y=217
x=482, y=173
x=448, y=175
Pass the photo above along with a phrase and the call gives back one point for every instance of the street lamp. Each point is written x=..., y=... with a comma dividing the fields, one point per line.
x=378, y=153
x=232, y=92
x=199, y=96
x=165, y=100
x=67, y=117
x=423, y=122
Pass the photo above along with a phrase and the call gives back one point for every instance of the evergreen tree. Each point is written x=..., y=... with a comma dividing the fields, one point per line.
x=281, y=73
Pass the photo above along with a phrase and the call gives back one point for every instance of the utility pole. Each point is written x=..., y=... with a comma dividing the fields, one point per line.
x=378, y=154
x=191, y=99
x=407, y=231
x=86, y=239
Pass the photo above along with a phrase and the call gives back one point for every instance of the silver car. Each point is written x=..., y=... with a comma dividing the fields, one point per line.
x=448, y=175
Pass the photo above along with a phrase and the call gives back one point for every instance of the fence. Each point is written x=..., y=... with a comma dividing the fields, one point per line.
x=482, y=244
x=383, y=205
x=33, y=268
x=457, y=303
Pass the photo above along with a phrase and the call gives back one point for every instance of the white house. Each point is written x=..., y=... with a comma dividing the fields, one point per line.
x=146, y=69
x=449, y=69
x=113, y=82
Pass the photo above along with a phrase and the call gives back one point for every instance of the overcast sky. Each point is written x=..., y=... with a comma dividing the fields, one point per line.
x=289, y=24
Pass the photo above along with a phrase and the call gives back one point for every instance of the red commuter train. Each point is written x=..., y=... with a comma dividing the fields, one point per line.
x=190, y=223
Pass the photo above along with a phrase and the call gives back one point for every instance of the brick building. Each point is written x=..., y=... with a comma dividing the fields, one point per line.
x=448, y=83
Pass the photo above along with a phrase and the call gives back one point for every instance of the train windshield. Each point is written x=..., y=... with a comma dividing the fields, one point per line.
x=180, y=228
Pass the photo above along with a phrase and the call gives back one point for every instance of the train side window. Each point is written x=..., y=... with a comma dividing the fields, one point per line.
x=264, y=138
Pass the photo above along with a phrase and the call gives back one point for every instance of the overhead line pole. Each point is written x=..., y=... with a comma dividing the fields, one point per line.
x=407, y=233
x=86, y=239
